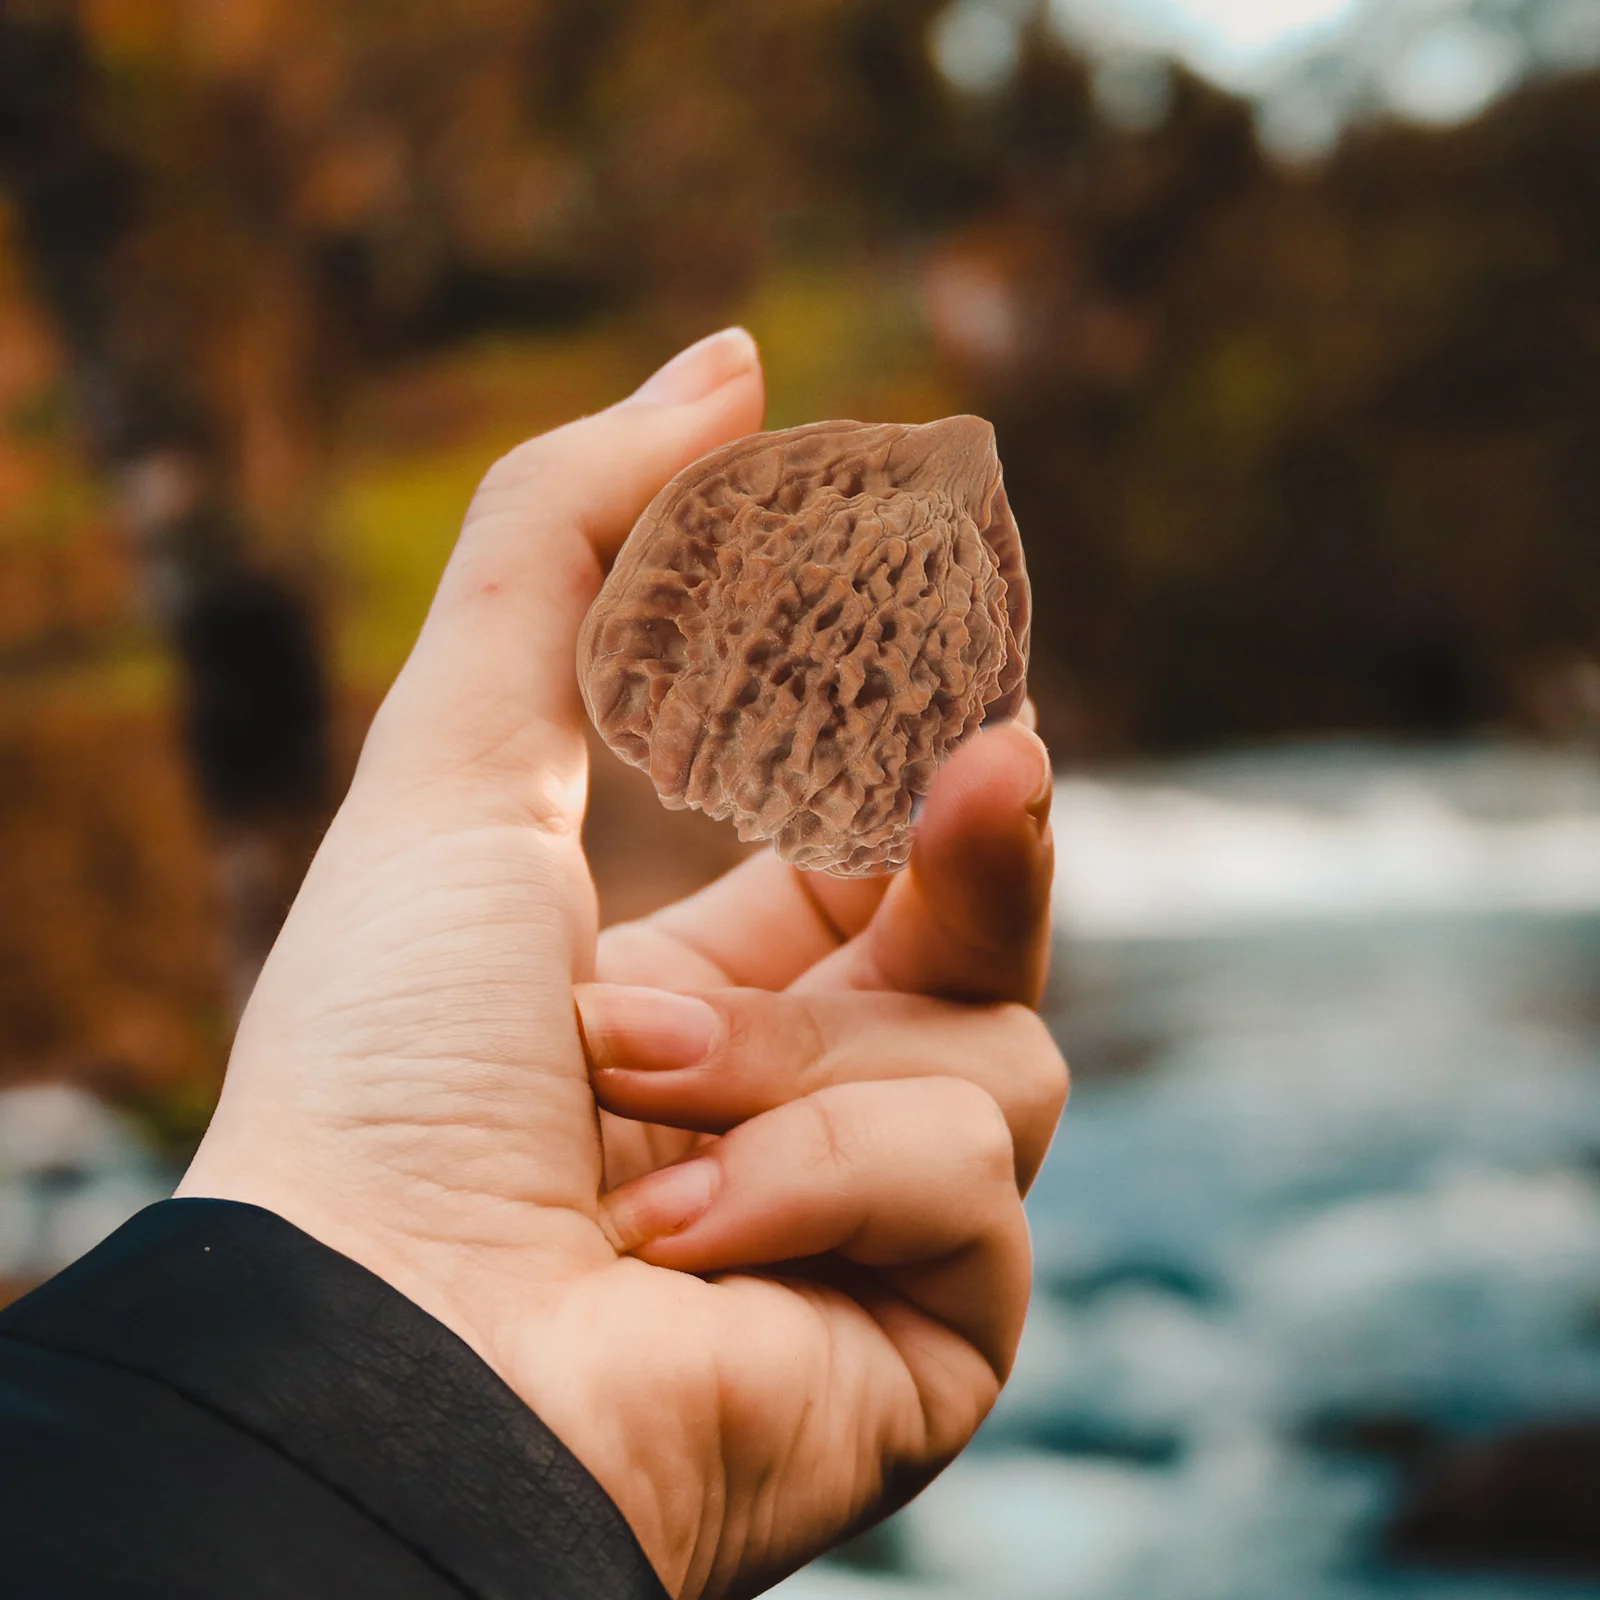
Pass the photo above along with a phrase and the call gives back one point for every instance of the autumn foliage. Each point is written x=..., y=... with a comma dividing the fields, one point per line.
x=1312, y=451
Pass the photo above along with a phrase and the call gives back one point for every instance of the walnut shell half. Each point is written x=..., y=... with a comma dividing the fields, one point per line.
x=803, y=625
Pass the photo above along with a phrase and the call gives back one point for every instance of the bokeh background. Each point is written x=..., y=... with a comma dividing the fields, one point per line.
x=1287, y=313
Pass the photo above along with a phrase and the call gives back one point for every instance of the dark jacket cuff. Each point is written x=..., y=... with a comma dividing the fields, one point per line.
x=316, y=1358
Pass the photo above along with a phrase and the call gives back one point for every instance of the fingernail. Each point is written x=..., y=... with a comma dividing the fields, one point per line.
x=667, y=1202
x=1044, y=794
x=694, y=373
x=644, y=1030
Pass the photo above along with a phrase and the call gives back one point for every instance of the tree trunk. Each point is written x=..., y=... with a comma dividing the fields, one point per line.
x=242, y=630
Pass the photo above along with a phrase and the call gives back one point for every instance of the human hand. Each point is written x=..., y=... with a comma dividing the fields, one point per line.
x=410, y=1085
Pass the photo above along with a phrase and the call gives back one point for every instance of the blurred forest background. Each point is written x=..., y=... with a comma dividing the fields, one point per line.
x=1303, y=431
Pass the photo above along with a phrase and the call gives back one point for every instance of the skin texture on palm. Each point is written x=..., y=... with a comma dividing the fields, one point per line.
x=410, y=1083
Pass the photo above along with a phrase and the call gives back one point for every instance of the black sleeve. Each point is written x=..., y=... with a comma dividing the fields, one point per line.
x=213, y=1404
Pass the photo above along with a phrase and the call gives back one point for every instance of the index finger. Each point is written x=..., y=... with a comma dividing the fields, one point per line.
x=649, y=1062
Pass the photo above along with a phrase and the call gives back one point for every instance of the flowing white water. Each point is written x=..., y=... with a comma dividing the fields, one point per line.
x=1334, y=1154
x=1331, y=1157
x=1327, y=836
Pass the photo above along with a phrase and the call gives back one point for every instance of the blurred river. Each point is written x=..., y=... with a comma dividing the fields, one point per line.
x=1324, y=1214
x=1325, y=1209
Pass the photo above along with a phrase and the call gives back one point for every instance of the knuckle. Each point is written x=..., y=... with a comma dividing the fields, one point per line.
x=985, y=1133
x=537, y=478
x=1048, y=1084
x=522, y=463
x=997, y=1154
x=505, y=478
x=1012, y=1245
x=775, y=1037
x=1036, y=1064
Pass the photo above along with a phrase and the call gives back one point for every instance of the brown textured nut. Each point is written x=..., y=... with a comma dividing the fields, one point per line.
x=803, y=625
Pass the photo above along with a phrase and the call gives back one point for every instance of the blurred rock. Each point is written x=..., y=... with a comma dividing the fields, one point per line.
x=1527, y=1501
x=71, y=1172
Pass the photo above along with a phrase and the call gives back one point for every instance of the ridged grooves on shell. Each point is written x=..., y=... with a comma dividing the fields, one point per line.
x=803, y=625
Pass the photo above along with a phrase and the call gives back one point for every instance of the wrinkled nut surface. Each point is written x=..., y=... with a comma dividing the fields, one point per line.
x=804, y=624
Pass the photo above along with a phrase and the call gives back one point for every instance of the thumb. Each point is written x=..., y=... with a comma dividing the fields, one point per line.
x=490, y=688
x=970, y=918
